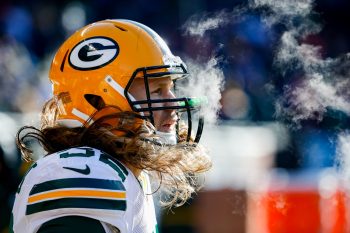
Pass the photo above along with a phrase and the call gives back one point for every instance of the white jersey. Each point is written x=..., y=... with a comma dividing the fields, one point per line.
x=84, y=182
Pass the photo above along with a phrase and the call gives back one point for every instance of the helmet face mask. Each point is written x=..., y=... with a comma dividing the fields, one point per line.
x=103, y=60
x=181, y=104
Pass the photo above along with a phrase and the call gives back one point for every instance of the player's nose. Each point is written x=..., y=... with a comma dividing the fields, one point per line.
x=170, y=95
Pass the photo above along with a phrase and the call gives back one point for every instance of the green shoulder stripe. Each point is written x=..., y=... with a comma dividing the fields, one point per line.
x=72, y=224
x=11, y=224
x=77, y=183
x=121, y=166
x=86, y=203
x=115, y=165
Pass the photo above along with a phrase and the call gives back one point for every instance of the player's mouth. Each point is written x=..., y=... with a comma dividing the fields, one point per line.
x=168, y=126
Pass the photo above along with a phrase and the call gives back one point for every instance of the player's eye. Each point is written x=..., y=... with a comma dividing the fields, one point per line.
x=158, y=91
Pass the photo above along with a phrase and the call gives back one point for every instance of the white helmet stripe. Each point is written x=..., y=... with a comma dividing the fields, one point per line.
x=119, y=89
x=81, y=115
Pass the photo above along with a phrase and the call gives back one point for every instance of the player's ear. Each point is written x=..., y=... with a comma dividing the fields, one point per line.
x=95, y=100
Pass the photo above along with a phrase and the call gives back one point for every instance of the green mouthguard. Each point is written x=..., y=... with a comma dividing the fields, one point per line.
x=195, y=102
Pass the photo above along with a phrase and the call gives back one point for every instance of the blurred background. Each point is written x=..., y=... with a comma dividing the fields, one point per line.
x=280, y=138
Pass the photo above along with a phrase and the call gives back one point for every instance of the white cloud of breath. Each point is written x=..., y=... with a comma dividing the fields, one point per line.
x=207, y=79
x=282, y=8
x=312, y=84
x=311, y=98
x=322, y=86
x=198, y=24
x=292, y=55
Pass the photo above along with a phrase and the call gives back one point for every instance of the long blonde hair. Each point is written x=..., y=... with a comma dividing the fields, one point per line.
x=176, y=167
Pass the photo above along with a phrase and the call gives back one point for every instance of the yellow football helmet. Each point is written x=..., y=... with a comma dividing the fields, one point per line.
x=103, y=59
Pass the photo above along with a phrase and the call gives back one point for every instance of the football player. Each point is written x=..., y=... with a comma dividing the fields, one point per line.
x=113, y=121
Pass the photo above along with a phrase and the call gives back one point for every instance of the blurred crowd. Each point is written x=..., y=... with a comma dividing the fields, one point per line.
x=30, y=31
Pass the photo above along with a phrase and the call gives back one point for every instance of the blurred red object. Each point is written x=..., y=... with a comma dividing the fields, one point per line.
x=335, y=212
x=299, y=208
x=292, y=211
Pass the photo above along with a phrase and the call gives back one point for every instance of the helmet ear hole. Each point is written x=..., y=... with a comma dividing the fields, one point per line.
x=95, y=100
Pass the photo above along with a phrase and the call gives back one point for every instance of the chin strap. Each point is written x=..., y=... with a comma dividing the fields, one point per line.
x=167, y=138
x=200, y=129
